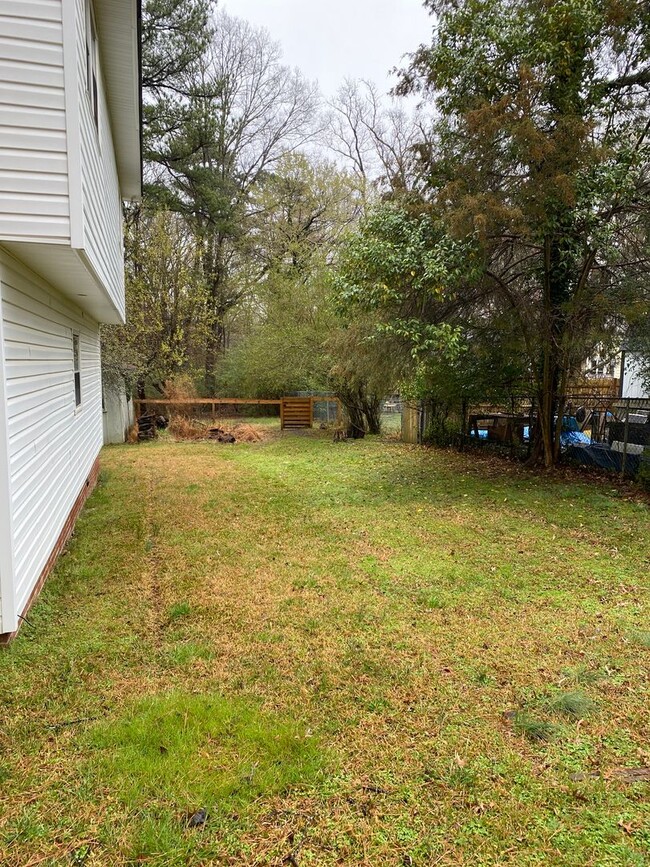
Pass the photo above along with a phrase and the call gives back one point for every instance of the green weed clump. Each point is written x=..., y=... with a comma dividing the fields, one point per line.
x=575, y=704
x=534, y=728
x=178, y=610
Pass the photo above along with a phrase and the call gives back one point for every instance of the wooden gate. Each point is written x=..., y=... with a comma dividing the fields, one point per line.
x=296, y=412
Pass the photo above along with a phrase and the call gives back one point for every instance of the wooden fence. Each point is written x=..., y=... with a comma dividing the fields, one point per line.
x=295, y=412
x=204, y=402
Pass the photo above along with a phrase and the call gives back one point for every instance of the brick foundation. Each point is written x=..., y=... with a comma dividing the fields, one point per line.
x=61, y=542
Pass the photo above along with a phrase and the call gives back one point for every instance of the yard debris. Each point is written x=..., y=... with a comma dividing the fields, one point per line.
x=624, y=775
x=183, y=428
x=249, y=433
x=147, y=427
x=198, y=818
x=220, y=435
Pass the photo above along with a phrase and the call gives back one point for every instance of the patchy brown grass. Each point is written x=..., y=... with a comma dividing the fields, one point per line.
x=415, y=615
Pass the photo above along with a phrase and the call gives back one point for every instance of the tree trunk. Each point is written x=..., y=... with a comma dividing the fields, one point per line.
x=214, y=349
x=553, y=380
x=372, y=411
x=214, y=271
x=352, y=400
x=356, y=427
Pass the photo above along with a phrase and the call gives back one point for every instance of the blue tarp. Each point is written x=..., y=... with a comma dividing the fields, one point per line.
x=601, y=455
x=574, y=438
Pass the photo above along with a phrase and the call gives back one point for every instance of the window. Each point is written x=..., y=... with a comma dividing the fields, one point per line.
x=77, y=369
x=91, y=61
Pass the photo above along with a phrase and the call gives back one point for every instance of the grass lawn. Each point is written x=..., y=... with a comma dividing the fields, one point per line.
x=358, y=653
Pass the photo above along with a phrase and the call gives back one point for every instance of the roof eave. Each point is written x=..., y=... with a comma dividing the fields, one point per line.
x=118, y=31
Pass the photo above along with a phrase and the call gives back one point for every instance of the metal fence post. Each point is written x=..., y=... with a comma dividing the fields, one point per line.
x=625, y=436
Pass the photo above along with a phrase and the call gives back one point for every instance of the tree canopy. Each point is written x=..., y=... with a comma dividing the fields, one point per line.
x=532, y=188
x=478, y=246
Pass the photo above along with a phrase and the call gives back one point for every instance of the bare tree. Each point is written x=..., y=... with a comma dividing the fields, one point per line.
x=244, y=111
x=375, y=137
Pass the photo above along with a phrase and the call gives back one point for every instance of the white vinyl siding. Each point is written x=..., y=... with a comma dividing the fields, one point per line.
x=34, y=198
x=101, y=201
x=52, y=444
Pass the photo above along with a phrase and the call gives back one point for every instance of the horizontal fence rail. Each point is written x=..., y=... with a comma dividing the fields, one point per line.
x=294, y=412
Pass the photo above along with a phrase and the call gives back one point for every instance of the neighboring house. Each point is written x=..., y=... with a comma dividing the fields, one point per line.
x=633, y=383
x=69, y=154
x=602, y=365
x=623, y=366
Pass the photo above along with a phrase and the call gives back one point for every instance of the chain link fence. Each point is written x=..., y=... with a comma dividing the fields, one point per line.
x=603, y=431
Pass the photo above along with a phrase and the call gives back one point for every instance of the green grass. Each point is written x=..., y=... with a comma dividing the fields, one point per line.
x=533, y=728
x=573, y=704
x=360, y=653
x=167, y=756
x=179, y=609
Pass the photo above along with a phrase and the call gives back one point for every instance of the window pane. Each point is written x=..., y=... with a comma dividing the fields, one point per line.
x=76, y=366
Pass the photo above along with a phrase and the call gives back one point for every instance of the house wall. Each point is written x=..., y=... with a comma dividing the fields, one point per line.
x=33, y=158
x=100, y=193
x=58, y=174
x=7, y=613
x=633, y=385
x=52, y=446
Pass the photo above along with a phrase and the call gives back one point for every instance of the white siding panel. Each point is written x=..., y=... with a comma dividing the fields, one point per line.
x=34, y=195
x=26, y=163
x=102, y=206
x=39, y=10
x=39, y=30
x=16, y=51
x=32, y=96
x=43, y=141
x=32, y=204
x=24, y=117
x=52, y=444
x=39, y=74
x=17, y=226
x=33, y=184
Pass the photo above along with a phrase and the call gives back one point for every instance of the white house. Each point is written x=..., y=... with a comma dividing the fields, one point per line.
x=633, y=384
x=69, y=153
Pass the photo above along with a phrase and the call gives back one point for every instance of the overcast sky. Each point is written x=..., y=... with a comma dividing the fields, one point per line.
x=330, y=40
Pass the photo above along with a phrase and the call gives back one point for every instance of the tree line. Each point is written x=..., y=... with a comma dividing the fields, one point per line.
x=477, y=247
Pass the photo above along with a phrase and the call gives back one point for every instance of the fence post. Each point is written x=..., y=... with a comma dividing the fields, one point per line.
x=625, y=436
